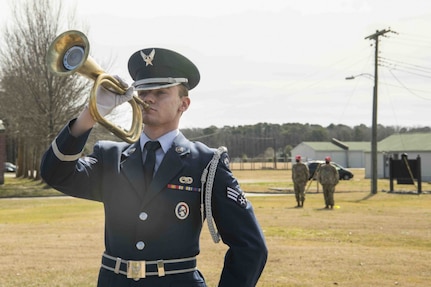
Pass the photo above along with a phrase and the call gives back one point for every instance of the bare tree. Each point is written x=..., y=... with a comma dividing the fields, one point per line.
x=35, y=103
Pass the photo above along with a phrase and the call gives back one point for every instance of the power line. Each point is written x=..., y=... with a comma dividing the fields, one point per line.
x=405, y=63
x=413, y=39
x=406, y=67
x=406, y=88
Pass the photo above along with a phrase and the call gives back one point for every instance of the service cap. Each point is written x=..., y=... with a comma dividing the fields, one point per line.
x=155, y=68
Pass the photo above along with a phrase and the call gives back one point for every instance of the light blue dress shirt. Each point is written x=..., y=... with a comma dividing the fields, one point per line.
x=165, y=140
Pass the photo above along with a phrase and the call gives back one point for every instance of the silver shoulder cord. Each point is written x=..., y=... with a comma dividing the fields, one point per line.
x=207, y=178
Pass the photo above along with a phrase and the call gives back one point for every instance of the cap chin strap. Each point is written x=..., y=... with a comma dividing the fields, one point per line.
x=208, y=176
x=159, y=82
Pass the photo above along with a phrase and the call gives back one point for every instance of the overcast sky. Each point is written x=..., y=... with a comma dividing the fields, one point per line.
x=279, y=61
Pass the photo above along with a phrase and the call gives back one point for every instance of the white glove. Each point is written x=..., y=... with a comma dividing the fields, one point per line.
x=107, y=100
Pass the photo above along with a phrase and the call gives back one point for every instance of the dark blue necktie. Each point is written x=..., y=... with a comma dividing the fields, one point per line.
x=150, y=161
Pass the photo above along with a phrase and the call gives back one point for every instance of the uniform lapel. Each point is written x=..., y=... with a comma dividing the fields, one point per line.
x=170, y=166
x=132, y=167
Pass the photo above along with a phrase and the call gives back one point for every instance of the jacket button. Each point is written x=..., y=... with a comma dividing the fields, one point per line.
x=140, y=245
x=143, y=216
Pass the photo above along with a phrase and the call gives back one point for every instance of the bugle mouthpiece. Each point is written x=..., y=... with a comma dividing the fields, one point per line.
x=144, y=105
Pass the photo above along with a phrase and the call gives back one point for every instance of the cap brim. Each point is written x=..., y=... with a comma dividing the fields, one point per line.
x=154, y=86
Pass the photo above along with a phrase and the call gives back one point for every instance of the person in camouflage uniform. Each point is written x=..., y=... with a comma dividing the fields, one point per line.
x=300, y=175
x=328, y=178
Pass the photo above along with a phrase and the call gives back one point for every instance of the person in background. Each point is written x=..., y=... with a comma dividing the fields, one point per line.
x=158, y=191
x=328, y=178
x=300, y=175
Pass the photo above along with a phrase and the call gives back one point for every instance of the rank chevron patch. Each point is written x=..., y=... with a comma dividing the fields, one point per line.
x=237, y=196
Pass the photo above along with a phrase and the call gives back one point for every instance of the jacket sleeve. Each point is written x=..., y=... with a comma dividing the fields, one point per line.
x=336, y=176
x=239, y=229
x=64, y=168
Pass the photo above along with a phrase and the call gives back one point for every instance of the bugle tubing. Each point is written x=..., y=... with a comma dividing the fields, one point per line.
x=69, y=54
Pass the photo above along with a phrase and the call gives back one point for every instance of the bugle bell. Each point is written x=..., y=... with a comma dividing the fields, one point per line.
x=68, y=54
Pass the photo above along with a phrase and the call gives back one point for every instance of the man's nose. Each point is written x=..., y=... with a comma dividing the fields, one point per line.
x=147, y=96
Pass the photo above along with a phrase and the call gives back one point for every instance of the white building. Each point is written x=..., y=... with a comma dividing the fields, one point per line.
x=413, y=144
x=358, y=154
x=347, y=154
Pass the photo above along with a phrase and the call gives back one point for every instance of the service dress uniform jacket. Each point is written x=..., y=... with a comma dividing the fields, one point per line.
x=164, y=222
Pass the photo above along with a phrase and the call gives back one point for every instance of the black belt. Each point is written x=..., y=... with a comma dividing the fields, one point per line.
x=141, y=269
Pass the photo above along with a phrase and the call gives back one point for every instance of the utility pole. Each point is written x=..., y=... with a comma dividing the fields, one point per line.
x=375, y=37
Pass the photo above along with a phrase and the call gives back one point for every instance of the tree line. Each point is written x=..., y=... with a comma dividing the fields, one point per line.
x=262, y=139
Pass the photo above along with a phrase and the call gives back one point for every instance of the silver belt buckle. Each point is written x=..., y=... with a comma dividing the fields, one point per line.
x=136, y=269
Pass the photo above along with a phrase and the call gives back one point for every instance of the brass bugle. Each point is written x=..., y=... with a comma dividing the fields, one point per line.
x=68, y=54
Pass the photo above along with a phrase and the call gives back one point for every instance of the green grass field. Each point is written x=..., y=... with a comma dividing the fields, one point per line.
x=367, y=240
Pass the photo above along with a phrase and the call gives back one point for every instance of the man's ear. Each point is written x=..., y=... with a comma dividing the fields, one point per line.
x=185, y=103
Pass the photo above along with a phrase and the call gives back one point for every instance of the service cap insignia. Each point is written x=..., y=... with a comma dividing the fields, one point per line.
x=148, y=59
